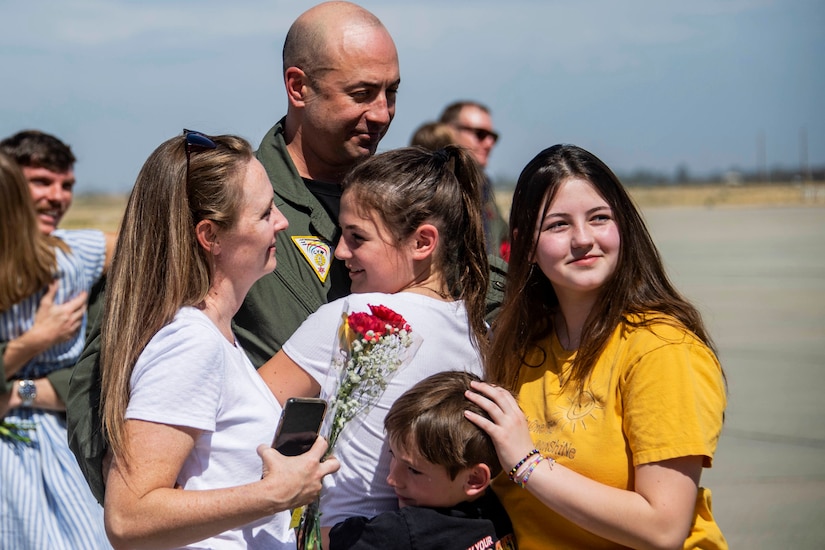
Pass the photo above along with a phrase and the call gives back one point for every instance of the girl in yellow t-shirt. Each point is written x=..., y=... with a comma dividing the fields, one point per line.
x=620, y=397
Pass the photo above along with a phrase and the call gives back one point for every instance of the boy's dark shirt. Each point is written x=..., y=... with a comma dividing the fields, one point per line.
x=478, y=525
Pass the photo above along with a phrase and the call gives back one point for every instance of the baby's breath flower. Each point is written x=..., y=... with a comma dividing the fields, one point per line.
x=373, y=346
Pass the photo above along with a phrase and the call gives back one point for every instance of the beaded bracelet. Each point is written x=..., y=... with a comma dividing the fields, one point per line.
x=526, y=466
x=512, y=474
x=521, y=480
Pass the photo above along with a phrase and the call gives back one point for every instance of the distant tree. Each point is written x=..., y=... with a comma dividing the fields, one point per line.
x=682, y=174
x=643, y=177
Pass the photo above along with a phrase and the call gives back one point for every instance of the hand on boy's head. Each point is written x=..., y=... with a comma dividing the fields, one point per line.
x=507, y=425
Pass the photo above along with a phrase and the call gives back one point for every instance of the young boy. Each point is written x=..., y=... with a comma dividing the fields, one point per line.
x=441, y=469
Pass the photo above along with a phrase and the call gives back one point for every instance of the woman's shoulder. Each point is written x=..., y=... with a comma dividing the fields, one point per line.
x=652, y=330
x=658, y=323
x=658, y=337
x=362, y=302
x=191, y=315
x=192, y=325
x=365, y=299
x=189, y=333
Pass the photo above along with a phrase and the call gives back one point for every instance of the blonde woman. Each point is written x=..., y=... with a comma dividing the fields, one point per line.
x=187, y=417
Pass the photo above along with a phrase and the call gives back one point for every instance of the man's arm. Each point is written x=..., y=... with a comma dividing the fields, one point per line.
x=53, y=323
x=83, y=403
x=60, y=378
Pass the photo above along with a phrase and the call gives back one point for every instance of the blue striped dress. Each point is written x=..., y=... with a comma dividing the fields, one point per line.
x=46, y=502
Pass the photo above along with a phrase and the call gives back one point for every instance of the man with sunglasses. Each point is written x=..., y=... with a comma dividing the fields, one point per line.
x=473, y=127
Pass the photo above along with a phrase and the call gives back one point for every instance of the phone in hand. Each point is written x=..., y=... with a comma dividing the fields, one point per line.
x=299, y=425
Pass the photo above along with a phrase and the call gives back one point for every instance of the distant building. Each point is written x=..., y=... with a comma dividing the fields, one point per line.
x=733, y=177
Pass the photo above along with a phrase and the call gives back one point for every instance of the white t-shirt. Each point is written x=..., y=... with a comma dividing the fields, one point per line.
x=360, y=487
x=190, y=375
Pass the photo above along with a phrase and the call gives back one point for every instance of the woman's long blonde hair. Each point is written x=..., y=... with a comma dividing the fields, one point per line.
x=158, y=266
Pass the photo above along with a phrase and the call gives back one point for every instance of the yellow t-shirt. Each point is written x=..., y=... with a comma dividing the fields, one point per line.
x=656, y=393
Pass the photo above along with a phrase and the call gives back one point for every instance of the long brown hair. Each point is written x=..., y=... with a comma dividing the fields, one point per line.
x=411, y=186
x=27, y=256
x=639, y=285
x=158, y=266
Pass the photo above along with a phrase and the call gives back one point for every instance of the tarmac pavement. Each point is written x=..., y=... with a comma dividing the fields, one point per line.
x=758, y=276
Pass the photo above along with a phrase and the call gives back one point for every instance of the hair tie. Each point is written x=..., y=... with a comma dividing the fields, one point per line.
x=442, y=155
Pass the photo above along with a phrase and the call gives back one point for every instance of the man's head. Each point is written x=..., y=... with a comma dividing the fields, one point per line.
x=473, y=126
x=434, y=136
x=439, y=457
x=341, y=76
x=48, y=166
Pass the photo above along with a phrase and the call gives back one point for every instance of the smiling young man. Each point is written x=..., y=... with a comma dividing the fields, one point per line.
x=48, y=166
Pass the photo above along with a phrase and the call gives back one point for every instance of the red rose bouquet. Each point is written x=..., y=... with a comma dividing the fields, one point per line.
x=371, y=348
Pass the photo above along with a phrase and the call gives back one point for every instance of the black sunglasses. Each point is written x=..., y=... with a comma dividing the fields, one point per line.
x=196, y=141
x=481, y=133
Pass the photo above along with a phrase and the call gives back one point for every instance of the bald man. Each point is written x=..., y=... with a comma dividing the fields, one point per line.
x=341, y=75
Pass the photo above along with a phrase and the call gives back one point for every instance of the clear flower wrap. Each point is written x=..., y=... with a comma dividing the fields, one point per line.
x=371, y=347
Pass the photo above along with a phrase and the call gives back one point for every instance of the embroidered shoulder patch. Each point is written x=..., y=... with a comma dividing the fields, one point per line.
x=317, y=253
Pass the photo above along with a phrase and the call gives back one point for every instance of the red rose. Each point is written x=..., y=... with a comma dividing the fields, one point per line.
x=389, y=317
x=362, y=322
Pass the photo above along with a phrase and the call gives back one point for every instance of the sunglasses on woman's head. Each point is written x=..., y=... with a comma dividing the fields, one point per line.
x=196, y=141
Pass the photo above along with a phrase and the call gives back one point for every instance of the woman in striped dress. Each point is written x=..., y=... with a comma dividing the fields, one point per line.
x=45, y=500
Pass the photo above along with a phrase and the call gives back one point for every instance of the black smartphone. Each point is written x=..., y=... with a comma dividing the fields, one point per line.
x=299, y=424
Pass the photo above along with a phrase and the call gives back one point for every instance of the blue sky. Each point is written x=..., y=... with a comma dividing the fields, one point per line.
x=642, y=84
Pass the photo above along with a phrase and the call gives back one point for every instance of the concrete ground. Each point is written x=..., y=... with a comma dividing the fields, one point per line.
x=758, y=276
